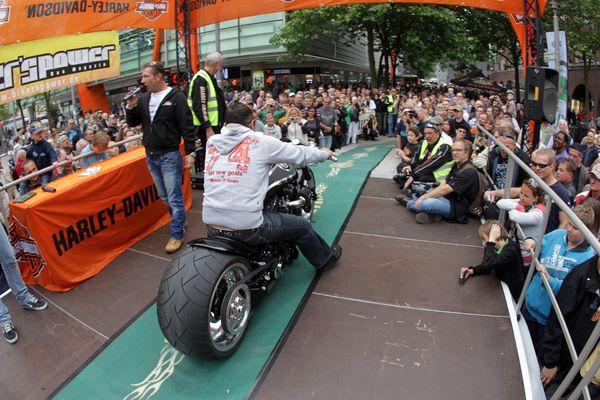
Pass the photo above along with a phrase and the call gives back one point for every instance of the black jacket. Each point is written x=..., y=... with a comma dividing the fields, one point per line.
x=579, y=302
x=507, y=265
x=200, y=99
x=172, y=121
x=494, y=158
x=422, y=169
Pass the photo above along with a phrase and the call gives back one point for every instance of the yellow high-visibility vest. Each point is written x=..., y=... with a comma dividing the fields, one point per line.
x=212, y=107
x=390, y=108
x=442, y=172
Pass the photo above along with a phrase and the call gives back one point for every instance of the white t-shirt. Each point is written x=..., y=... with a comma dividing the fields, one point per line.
x=155, y=100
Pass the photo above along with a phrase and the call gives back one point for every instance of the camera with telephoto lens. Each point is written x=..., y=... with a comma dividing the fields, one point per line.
x=421, y=188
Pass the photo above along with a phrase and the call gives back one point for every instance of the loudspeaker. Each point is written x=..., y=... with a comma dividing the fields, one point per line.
x=541, y=91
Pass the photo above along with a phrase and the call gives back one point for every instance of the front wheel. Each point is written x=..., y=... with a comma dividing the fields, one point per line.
x=202, y=311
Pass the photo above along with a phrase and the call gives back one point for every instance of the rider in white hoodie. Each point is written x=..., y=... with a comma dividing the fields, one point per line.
x=236, y=179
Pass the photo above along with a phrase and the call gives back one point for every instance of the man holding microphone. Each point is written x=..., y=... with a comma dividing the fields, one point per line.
x=166, y=119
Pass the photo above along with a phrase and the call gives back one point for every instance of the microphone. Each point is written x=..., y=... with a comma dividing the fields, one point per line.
x=133, y=93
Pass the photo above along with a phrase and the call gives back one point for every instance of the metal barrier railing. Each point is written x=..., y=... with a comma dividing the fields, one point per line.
x=43, y=171
x=591, y=238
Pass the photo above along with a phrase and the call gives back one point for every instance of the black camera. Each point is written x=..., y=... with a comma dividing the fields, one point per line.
x=412, y=113
x=401, y=177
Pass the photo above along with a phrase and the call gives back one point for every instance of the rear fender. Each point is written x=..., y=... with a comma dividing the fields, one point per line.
x=224, y=245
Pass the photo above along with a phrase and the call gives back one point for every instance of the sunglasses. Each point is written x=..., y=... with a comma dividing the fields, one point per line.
x=538, y=165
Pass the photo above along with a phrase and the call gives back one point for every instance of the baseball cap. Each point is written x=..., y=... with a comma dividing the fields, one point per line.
x=431, y=125
x=35, y=127
x=457, y=107
x=436, y=120
x=596, y=171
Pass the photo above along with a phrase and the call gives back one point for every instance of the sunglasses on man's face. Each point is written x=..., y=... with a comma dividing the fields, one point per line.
x=539, y=165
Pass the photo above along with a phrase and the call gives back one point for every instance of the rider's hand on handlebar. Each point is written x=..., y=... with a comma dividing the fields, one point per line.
x=328, y=152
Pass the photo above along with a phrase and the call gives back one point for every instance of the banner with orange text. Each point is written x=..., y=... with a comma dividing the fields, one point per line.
x=24, y=20
x=61, y=239
x=206, y=12
x=30, y=68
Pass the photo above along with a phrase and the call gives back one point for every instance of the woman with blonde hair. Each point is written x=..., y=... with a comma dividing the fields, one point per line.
x=291, y=128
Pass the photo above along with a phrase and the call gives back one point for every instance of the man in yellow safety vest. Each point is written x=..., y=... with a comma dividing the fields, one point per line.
x=207, y=102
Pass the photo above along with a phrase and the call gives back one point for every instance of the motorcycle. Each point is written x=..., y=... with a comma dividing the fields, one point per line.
x=207, y=295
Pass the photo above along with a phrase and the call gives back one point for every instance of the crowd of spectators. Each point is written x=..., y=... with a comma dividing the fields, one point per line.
x=442, y=155
x=436, y=180
x=38, y=146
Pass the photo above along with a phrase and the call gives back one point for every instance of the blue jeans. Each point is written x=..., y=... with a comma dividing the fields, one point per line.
x=283, y=227
x=391, y=119
x=166, y=170
x=326, y=141
x=12, y=274
x=432, y=205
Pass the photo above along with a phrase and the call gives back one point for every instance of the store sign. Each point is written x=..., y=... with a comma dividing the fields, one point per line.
x=258, y=79
x=42, y=65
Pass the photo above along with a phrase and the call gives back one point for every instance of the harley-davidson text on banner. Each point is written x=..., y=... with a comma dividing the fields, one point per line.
x=61, y=239
x=25, y=20
x=38, y=66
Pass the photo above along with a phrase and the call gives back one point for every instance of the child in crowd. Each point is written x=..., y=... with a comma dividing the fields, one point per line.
x=528, y=212
x=412, y=147
x=562, y=250
x=271, y=129
x=500, y=255
x=96, y=149
x=578, y=301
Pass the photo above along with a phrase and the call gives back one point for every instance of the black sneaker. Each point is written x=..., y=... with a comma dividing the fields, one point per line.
x=35, y=304
x=335, y=256
x=10, y=333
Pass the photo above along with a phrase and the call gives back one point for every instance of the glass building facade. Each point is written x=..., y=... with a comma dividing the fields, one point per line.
x=250, y=59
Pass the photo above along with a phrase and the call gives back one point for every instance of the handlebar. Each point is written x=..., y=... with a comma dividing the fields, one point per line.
x=299, y=142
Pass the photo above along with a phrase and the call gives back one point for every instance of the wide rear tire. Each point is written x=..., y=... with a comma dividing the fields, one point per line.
x=190, y=308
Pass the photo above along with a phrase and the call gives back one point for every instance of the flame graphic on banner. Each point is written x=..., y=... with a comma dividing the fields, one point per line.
x=165, y=367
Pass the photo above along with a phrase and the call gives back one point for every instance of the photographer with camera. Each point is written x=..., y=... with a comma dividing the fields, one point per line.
x=451, y=199
x=431, y=164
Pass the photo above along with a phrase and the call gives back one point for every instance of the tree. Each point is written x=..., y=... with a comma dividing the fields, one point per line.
x=580, y=20
x=421, y=35
x=493, y=35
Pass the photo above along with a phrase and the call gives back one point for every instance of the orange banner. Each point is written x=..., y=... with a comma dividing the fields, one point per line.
x=24, y=20
x=63, y=238
x=206, y=12
x=518, y=23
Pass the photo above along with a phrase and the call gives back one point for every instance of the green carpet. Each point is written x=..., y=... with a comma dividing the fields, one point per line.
x=140, y=364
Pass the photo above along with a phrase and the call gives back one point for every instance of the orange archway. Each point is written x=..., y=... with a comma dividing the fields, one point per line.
x=24, y=20
x=27, y=20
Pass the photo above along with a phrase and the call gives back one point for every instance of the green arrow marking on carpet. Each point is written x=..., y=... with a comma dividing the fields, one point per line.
x=139, y=364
